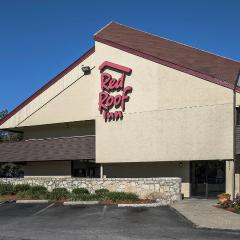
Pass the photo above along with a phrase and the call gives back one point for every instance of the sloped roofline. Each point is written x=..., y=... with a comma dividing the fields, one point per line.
x=133, y=51
x=166, y=63
x=167, y=39
x=103, y=37
x=48, y=84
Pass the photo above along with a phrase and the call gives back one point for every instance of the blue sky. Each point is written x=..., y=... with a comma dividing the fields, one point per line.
x=40, y=38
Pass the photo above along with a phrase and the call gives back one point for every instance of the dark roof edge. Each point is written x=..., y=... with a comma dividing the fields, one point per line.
x=169, y=40
x=48, y=84
x=165, y=63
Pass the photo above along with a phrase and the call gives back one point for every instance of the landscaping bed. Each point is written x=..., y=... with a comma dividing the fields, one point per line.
x=224, y=202
x=9, y=192
x=140, y=201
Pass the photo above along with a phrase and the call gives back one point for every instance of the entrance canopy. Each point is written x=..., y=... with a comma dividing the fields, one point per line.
x=52, y=149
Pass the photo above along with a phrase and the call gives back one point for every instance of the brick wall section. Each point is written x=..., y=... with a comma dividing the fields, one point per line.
x=169, y=188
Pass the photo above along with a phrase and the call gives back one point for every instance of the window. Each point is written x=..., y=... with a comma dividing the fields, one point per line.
x=238, y=81
x=88, y=169
x=238, y=116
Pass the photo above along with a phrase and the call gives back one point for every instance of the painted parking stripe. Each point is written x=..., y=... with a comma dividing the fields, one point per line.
x=104, y=210
x=43, y=210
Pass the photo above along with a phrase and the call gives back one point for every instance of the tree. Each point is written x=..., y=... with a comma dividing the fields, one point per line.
x=7, y=135
x=9, y=169
x=3, y=134
x=3, y=113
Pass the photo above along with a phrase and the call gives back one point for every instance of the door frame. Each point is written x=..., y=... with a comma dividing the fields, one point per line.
x=206, y=162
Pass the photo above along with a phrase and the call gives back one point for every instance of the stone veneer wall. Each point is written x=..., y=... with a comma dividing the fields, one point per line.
x=168, y=188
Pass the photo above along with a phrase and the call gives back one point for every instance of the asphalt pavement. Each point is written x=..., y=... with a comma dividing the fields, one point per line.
x=57, y=222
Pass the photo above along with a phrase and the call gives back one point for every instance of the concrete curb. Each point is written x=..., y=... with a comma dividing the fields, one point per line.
x=32, y=201
x=143, y=205
x=80, y=203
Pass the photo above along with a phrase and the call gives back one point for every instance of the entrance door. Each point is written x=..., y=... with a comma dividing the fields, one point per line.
x=207, y=178
x=88, y=169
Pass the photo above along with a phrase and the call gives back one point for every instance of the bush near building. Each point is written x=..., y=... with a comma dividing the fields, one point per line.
x=10, y=170
x=21, y=188
x=121, y=196
x=102, y=191
x=79, y=191
x=229, y=204
x=78, y=194
x=84, y=197
x=6, y=189
x=59, y=194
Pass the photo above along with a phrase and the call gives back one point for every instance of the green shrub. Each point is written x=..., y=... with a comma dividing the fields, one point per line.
x=35, y=192
x=6, y=189
x=21, y=188
x=122, y=196
x=85, y=197
x=23, y=194
x=104, y=194
x=102, y=191
x=38, y=195
x=40, y=189
x=237, y=210
x=80, y=191
x=38, y=192
x=59, y=194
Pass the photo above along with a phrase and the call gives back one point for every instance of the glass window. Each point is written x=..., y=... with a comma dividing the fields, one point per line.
x=238, y=116
x=86, y=168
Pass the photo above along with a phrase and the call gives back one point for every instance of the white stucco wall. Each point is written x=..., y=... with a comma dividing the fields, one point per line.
x=171, y=115
x=69, y=99
x=81, y=128
x=237, y=99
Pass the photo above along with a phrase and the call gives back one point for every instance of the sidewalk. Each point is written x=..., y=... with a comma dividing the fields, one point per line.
x=203, y=214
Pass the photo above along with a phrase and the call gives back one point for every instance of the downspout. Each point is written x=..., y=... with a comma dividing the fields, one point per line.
x=234, y=131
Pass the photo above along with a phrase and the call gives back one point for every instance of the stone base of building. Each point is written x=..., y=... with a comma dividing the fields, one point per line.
x=168, y=189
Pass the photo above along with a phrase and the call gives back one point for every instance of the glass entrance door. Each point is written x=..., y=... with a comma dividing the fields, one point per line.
x=207, y=178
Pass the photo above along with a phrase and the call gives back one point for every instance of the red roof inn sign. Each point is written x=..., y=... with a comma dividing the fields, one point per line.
x=110, y=86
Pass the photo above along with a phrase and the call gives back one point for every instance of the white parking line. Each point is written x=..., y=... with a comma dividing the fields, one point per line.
x=80, y=203
x=32, y=201
x=44, y=209
x=104, y=210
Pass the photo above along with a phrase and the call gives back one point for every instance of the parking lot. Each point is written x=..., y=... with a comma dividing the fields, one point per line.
x=55, y=221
